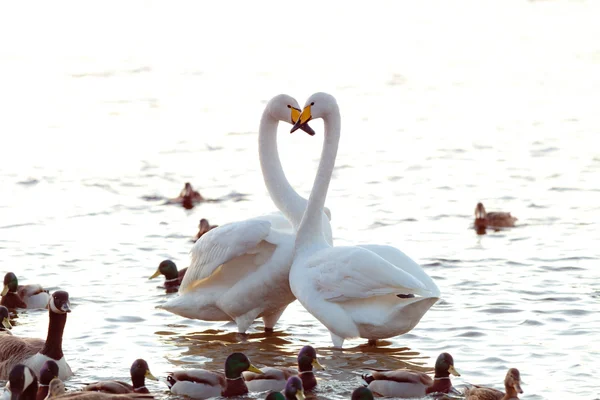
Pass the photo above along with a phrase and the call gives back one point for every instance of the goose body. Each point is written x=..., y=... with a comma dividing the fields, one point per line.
x=34, y=352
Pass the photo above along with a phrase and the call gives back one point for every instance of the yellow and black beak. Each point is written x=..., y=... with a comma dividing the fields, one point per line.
x=316, y=364
x=453, y=371
x=301, y=120
x=149, y=375
x=5, y=290
x=252, y=368
x=6, y=323
x=157, y=273
x=300, y=395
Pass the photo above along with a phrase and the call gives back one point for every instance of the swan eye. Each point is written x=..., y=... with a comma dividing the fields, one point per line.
x=312, y=104
x=288, y=106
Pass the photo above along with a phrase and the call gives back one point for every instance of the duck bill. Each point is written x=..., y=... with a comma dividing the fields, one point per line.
x=6, y=323
x=157, y=273
x=4, y=290
x=300, y=395
x=517, y=386
x=453, y=371
x=252, y=368
x=149, y=375
x=316, y=364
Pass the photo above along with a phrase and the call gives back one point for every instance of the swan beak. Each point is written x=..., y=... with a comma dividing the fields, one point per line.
x=316, y=364
x=157, y=273
x=149, y=375
x=296, y=117
x=252, y=368
x=5, y=290
x=453, y=371
x=6, y=323
x=300, y=395
x=303, y=121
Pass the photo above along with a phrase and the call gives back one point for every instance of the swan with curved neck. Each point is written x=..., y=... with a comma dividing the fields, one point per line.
x=369, y=291
x=240, y=271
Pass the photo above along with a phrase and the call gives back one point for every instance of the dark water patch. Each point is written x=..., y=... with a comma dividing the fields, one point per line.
x=531, y=322
x=125, y=318
x=576, y=332
x=564, y=189
x=516, y=264
x=500, y=310
x=471, y=334
x=533, y=205
x=574, y=312
x=566, y=298
x=28, y=182
x=560, y=269
x=19, y=225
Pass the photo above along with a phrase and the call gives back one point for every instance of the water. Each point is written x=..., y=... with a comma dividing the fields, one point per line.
x=444, y=104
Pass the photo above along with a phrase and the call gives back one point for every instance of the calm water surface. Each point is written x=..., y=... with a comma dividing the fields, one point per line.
x=444, y=105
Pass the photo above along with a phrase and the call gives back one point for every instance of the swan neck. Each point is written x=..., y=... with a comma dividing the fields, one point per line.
x=286, y=199
x=311, y=228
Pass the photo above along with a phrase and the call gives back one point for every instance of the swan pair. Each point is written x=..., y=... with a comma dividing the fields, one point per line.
x=255, y=268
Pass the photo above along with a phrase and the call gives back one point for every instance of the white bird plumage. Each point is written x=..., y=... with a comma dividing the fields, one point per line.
x=352, y=290
x=239, y=271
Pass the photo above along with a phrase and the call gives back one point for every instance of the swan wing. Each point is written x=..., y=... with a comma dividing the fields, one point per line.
x=349, y=273
x=224, y=244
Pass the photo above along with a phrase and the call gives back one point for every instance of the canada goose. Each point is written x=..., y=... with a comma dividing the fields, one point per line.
x=35, y=352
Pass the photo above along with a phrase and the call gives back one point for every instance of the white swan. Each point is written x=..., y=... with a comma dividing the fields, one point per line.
x=239, y=271
x=363, y=291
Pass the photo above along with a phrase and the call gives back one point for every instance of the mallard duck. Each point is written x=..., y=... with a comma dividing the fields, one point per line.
x=292, y=390
x=139, y=372
x=23, y=296
x=512, y=385
x=5, y=325
x=484, y=219
x=405, y=383
x=240, y=271
x=35, y=352
x=203, y=227
x=173, y=277
x=189, y=197
x=275, y=379
x=57, y=391
x=48, y=372
x=362, y=393
x=202, y=384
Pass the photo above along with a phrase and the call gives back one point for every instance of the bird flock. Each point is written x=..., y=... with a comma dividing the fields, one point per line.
x=253, y=269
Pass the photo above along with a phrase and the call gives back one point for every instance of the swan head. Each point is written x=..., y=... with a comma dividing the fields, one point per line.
x=285, y=108
x=319, y=105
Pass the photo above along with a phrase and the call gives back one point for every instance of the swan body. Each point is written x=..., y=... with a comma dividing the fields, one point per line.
x=240, y=271
x=368, y=291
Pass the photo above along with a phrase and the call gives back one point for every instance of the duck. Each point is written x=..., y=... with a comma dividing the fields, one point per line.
x=56, y=390
x=5, y=325
x=406, y=384
x=139, y=372
x=48, y=372
x=23, y=296
x=34, y=352
x=203, y=227
x=189, y=197
x=173, y=277
x=512, y=386
x=293, y=390
x=240, y=271
x=362, y=393
x=202, y=384
x=497, y=219
x=369, y=291
x=275, y=379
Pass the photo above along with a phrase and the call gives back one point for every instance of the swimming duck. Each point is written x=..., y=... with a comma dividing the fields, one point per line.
x=484, y=219
x=23, y=296
x=362, y=393
x=5, y=325
x=48, y=372
x=57, y=391
x=35, y=352
x=173, y=277
x=293, y=390
x=189, y=196
x=139, y=372
x=202, y=384
x=275, y=379
x=512, y=385
x=406, y=383
x=203, y=227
